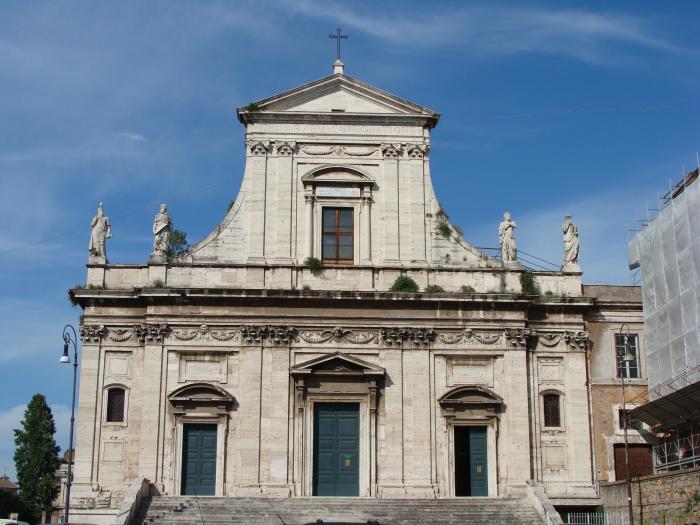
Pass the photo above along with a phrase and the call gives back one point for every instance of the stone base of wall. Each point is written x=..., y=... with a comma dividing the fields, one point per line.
x=669, y=498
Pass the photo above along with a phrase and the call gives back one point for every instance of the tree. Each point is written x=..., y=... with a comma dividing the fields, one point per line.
x=178, y=244
x=36, y=456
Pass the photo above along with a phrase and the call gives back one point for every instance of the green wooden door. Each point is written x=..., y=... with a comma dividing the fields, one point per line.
x=478, y=475
x=471, y=468
x=336, y=449
x=199, y=460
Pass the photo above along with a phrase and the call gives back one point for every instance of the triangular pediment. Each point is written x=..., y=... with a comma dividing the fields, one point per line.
x=337, y=363
x=337, y=95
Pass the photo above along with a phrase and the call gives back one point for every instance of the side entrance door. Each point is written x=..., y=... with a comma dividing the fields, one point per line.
x=471, y=472
x=199, y=460
x=336, y=449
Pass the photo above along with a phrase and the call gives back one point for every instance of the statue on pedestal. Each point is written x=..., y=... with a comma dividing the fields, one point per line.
x=162, y=229
x=506, y=235
x=101, y=230
x=571, y=244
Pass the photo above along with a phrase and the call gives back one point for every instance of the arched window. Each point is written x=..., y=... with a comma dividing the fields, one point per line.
x=552, y=410
x=115, y=405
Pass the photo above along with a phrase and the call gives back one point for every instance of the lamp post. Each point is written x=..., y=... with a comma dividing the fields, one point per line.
x=65, y=358
x=625, y=359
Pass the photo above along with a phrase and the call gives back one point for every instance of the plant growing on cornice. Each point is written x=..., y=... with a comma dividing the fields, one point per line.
x=178, y=245
x=253, y=106
x=314, y=265
x=158, y=283
x=459, y=231
x=230, y=205
x=71, y=296
x=404, y=283
x=528, y=284
x=444, y=229
x=466, y=289
x=434, y=288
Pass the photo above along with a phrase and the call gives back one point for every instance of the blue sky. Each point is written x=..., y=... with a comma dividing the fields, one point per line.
x=548, y=108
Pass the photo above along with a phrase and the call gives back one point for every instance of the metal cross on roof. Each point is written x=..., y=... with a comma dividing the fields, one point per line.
x=338, y=37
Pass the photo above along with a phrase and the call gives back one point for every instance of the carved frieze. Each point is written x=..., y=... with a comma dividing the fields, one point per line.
x=120, y=334
x=416, y=151
x=549, y=339
x=338, y=335
x=285, y=148
x=391, y=151
x=259, y=147
x=92, y=333
x=338, y=150
x=470, y=336
x=418, y=336
x=151, y=333
x=253, y=334
x=281, y=335
x=517, y=338
x=102, y=500
x=577, y=340
x=205, y=333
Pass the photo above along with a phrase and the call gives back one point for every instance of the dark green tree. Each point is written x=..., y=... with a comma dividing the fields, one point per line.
x=178, y=244
x=36, y=456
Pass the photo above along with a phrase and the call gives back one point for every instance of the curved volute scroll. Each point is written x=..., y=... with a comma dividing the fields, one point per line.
x=471, y=401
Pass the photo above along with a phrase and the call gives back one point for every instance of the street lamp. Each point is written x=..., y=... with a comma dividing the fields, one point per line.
x=65, y=358
x=625, y=359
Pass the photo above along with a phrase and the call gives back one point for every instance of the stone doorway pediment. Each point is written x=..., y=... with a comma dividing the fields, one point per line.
x=470, y=397
x=338, y=364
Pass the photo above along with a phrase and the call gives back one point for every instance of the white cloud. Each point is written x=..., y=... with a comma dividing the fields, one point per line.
x=498, y=29
x=131, y=135
x=11, y=418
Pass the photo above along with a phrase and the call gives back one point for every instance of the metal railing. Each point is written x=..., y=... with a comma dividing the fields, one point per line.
x=597, y=518
x=679, y=453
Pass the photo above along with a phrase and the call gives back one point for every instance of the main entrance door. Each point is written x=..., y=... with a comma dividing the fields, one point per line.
x=199, y=460
x=336, y=449
x=471, y=478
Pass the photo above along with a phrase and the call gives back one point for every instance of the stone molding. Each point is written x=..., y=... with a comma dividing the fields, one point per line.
x=575, y=341
x=339, y=335
x=259, y=147
x=517, y=338
x=206, y=333
x=151, y=333
x=275, y=334
x=315, y=150
x=155, y=333
x=416, y=151
x=285, y=148
x=471, y=336
x=391, y=151
x=92, y=333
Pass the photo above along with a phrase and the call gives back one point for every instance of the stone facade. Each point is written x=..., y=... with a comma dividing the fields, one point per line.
x=240, y=335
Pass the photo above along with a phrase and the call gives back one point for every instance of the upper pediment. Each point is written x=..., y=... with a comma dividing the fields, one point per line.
x=337, y=97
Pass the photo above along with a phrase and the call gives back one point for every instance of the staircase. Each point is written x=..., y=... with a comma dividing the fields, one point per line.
x=186, y=510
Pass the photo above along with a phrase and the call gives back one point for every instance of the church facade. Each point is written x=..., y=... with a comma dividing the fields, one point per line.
x=272, y=358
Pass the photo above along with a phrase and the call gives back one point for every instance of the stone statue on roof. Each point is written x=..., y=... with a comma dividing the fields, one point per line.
x=162, y=230
x=571, y=244
x=101, y=230
x=506, y=236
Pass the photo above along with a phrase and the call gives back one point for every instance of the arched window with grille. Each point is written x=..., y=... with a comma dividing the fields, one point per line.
x=551, y=405
x=116, y=405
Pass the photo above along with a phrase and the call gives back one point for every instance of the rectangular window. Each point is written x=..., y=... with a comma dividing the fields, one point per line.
x=115, y=405
x=337, y=235
x=626, y=345
x=632, y=422
x=552, y=414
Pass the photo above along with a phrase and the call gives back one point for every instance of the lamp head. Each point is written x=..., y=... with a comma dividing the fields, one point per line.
x=65, y=358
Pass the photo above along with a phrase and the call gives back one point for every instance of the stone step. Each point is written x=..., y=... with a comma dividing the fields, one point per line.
x=171, y=510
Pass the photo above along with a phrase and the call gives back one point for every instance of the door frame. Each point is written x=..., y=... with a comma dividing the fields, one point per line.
x=220, y=423
x=491, y=453
x=366, y=439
